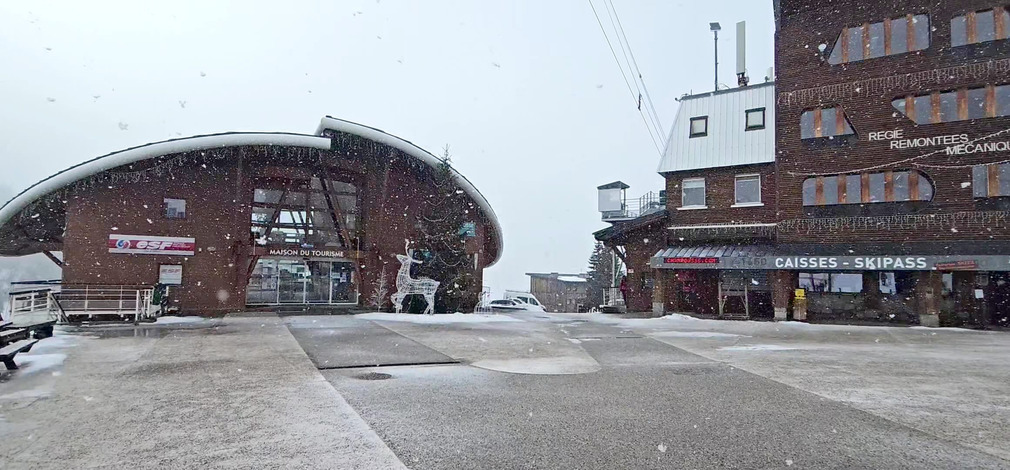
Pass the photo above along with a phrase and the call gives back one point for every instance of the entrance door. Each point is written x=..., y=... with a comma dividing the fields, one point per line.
x=317, y=289
x=343, y=286
x=293, y=275
x=999, y=299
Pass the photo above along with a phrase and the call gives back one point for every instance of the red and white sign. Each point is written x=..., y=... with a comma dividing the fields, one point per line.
x=146, y=245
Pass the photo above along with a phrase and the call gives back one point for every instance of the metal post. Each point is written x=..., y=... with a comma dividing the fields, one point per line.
x=716, y=60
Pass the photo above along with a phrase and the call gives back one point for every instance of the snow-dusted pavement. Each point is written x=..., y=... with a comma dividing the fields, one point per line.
x=526, y=390
x=233, y=393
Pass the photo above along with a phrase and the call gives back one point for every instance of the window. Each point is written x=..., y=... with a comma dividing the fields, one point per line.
x=693, y=193
x=175, y=208
x=699, y=126
x=824, y=122
x=877, y=190
x=891, y=186
x=889, y=37
x=748, y=190
x=980, y=181
x=980, y=26
x=755, y=119
x=835, y=282
x=958, y=105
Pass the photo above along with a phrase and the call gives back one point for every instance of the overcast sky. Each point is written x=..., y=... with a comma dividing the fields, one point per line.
x=527, y=93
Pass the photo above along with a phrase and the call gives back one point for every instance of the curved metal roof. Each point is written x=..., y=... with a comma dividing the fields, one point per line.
x=54, y=183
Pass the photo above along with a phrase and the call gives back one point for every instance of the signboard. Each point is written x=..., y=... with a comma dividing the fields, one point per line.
x=307, y=253
x=691, y=260
x=842, y=263
x=147, y=245
x=468, y=229
x=953, y=144
x=170, y=274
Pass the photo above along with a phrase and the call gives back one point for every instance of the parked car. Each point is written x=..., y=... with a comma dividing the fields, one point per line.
x=506, y=305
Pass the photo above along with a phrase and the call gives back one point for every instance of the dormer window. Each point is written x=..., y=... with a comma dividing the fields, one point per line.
x=699, y=126
x=755, y=119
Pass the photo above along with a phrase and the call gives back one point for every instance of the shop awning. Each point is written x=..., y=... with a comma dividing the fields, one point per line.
x=712, y=257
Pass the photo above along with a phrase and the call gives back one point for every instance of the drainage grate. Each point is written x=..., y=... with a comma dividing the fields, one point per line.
x=373, y=376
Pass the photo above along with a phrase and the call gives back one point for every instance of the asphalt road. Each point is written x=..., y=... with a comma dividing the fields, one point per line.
x=649, y=404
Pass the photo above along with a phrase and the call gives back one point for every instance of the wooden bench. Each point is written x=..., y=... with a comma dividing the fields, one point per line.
x=8, y=352
x=40, y=330
x=13, y=335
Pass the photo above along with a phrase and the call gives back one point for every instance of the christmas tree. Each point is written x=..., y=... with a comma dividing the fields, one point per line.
x=445, y=225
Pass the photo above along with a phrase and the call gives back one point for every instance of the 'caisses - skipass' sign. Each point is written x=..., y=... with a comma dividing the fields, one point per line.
x=147, y=245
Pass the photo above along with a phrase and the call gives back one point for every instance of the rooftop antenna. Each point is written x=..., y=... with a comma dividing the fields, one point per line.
x=715, y=29
x=741, y=54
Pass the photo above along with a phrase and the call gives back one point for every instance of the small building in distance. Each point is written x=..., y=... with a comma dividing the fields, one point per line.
x=560, y=292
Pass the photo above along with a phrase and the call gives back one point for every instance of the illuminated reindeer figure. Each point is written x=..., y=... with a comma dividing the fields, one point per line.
x=405, y=285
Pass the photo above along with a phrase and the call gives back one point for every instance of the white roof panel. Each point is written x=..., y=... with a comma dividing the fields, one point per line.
x=728, y=143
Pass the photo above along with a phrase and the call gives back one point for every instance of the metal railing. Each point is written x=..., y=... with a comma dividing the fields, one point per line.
x=68, y=302
x=31, y=306
x=650, y=203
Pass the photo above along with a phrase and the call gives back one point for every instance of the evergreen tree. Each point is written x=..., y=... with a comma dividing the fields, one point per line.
x=601, y=274
x=442, y=245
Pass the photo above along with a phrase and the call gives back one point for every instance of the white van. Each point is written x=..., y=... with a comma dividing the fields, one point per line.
x=525, y=300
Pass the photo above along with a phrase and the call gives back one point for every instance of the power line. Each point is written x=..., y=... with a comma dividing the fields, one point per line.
x=634, y=62
x=626, y=82
x=624, y=50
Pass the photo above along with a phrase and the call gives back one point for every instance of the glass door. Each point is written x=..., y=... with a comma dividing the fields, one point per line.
x=317, y=289
x=343, y=285
x=293, y=275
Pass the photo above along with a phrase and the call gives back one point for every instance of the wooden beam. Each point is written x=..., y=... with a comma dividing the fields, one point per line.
x=889, y=186
x=843, y=189
x=866, y=41
x=999, y=16
x=962, y=104
x=844, y=40
x=839, y=121
x=990, y=101
x=819, y=191
x=934, y=100
x=864, y=180
x=910, y=32
x=972, y=25
x=53, y=258
x=913, y=186
x=620, y=254
x=888, y=50
x=818, y=123
x=993, y=189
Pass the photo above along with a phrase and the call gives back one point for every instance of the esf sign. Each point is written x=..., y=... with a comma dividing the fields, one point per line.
x=869, y=263
x=147, y=245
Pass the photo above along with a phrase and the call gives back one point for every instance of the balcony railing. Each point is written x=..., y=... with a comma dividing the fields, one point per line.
x=650, y=203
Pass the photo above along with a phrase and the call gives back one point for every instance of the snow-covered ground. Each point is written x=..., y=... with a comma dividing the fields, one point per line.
x=438, y=319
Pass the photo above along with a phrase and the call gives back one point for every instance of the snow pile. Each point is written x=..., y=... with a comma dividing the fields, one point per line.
x=437, y=319
x=695, y=334
x=173, y=320
x=758, y=347
x=572, y=279
x=48, y=353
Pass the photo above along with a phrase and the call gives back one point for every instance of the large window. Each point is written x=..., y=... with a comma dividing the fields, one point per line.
x=316, y=213
x=699, y=126
x=990, y=180
x=957, y=105
x=889, y=186
x=980, y=26
x=824, y=122
x=693, y=193
x=889, y=37
x=748, y=190
x=831, y=282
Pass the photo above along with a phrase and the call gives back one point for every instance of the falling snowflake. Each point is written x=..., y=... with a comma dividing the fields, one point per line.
x=123, y=126
x=51, y=100
x=661, y=447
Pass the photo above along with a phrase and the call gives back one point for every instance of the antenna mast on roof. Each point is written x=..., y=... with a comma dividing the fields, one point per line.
x=715, y=29
x=741, y=54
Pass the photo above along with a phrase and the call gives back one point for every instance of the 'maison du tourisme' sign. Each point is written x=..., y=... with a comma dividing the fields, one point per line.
x=148, y=245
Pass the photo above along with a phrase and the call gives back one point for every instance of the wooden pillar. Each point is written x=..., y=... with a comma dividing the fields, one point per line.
x=783, y=286
x=659, y=281
x=928, y=292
